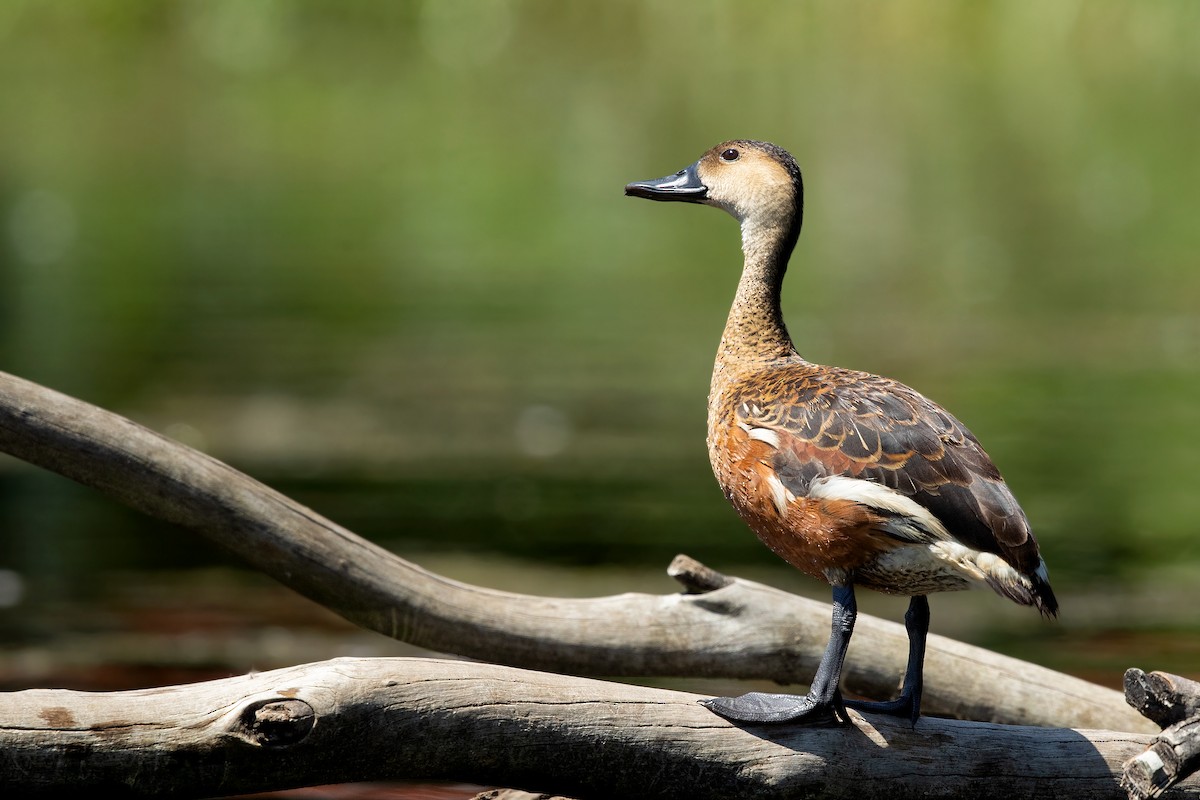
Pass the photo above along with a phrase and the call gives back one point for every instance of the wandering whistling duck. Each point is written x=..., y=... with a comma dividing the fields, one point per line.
x=854, y=479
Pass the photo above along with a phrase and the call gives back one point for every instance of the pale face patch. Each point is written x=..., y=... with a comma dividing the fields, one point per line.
x=754, y=188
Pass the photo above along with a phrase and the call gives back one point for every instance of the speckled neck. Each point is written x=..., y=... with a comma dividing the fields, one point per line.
x=755, y=332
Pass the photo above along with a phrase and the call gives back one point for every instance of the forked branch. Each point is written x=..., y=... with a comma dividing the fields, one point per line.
x=719, y=627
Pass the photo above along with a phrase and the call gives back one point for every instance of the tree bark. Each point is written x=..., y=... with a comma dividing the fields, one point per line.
x=1164, y=698
x=1173, y=702
x=390, y=719
x=719, y=627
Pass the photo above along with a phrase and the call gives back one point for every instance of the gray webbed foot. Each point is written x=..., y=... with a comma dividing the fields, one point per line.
x=774, y=709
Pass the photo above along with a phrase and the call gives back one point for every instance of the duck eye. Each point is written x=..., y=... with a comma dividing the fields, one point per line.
x=730, y=155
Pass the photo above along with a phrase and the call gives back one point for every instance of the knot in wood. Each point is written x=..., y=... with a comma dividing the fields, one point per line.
x=277, y=723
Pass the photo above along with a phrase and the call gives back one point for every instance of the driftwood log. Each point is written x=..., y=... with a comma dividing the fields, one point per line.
x=514, y=727
x=403, y=718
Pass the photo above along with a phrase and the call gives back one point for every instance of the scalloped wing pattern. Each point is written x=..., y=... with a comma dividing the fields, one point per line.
x=828, y=421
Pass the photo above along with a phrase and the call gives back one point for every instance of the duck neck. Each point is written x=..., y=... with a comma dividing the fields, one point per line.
x=755, y=331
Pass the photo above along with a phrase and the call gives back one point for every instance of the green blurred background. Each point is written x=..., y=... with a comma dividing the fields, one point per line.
x=377, y=256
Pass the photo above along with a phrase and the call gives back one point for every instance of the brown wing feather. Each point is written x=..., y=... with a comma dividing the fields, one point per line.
x=833, y=421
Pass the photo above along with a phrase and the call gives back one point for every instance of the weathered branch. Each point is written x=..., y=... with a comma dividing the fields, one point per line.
x=721, y=627
x=1164, y=698
x=389, y=719
x=1173, y=702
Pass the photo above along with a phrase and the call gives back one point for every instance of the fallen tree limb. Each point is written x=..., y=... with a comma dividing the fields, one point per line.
x=1173, y=702
x=388, y=719
x=720, y=627
x=1162, y=697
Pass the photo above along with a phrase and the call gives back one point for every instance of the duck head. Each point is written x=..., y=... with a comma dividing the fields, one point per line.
x=757, y=182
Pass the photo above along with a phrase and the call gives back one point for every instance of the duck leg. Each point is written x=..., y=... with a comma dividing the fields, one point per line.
x=908, y=704
x=823, y=703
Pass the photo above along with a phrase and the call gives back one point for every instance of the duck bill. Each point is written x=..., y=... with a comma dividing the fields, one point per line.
x=684, y=186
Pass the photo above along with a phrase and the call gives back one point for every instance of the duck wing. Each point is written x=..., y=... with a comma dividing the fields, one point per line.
x=831, y=422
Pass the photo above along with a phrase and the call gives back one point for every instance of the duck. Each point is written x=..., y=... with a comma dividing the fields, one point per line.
x=855, y=479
